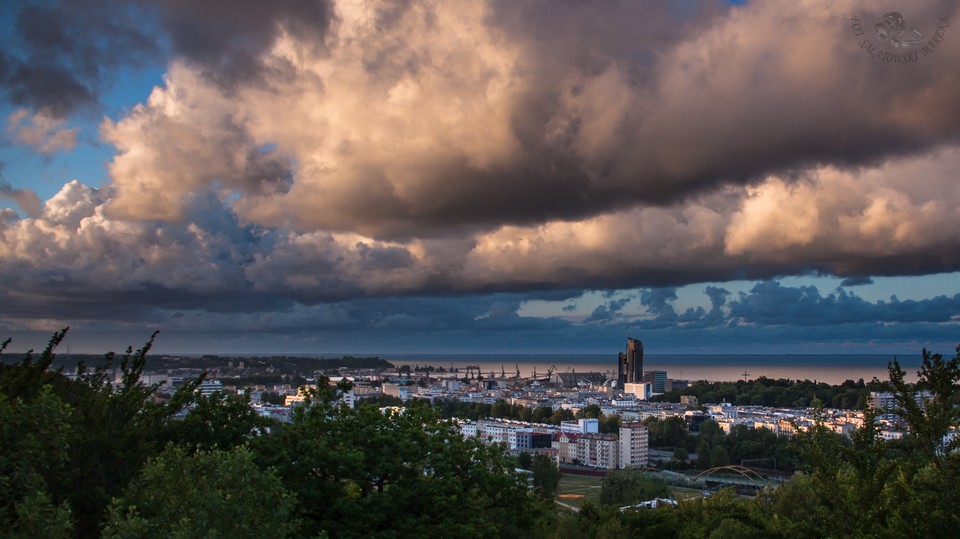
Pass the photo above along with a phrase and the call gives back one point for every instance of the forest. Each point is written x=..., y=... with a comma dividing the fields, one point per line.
x=779, y=393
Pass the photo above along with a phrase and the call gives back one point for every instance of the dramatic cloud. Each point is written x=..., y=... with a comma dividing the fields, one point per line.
x=304, y=162
x=42, y=132
x=467, y=117
x=58, y=56
x=856, y=281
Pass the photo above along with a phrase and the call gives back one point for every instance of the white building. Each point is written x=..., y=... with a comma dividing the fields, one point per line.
x=633, y=446
x=581, y=426
x=598, y=451
x=642, y=391
x=209, y=387
x=885, y=403
x=491, y=432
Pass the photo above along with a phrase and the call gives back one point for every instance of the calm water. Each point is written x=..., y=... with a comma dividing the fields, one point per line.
x=832, y=369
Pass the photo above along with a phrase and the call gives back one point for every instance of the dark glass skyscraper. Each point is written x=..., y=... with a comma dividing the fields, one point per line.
x=630, y=368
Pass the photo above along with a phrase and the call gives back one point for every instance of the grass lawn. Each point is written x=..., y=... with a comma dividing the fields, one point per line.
x=574, y=489
x=683, y=493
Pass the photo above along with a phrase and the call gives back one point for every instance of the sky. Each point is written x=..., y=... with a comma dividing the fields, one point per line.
x=480, y=176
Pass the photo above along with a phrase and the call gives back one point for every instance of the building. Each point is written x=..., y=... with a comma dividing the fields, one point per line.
x=630, y=365
x=634, y=442
x=590, y=425
x=574, y=379
x=598, y=451
x=209, y=387
x=347, y=398
x=885, y=403
x=517, y=435
x=658, y=379
x=402, y=392
x=677, y=385
x=641, y=391
x=566, y=445
x=530, y=439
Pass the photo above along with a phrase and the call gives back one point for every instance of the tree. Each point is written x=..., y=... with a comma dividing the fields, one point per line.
x=930, y=419
x=589, y=411
x=34, y=437
x=546, y=476
x=216, y=421
x=363, y=473
x=525, y=461
x=104, y=432
x=204, y=494
x=623, y=487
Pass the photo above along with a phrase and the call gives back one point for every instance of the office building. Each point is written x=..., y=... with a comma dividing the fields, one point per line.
x=630, y=367
x=657, y=378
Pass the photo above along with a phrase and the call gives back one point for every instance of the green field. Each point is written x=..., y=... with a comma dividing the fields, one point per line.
x=574, y=489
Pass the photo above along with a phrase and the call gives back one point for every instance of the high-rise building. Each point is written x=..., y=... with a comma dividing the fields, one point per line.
x=657, y=378
x=633, y=450
x=630, y=368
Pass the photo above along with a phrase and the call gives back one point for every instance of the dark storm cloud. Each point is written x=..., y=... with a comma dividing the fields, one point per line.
x=227, y=37
x=382, y=165
x=718, y=296
x=627, y=104
x=770, y=303
x=856, y=281
x=58, y=56
x=659, y=302
x=609, y=310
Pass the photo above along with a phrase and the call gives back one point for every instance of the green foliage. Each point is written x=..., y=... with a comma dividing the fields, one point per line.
x=670, y=432
x=546, y=476
x=86, y=457
x=861, y=487
x=930, y=419
x=715, y=448
x=270, y=397
x=722, y=515
x=204, y=494
x=590, y=411
x=624, y=487
x=34, y=435
x=216, y=421
x=362, y=473
x=778, y=393
x=104, y=432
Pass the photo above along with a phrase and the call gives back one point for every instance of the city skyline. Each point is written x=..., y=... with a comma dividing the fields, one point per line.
x=429, y=177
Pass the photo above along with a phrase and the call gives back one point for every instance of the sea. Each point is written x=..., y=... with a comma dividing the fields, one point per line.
x=831, y=369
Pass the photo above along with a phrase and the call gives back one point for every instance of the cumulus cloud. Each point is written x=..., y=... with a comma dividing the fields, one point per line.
x=41, y=131
x=441, y=116
x=609, y=310
x=303, y=158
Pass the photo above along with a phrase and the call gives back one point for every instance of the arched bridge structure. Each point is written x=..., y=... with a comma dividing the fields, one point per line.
x=740, y=475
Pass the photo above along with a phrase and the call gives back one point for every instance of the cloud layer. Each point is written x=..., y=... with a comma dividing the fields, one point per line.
x=301, y=156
